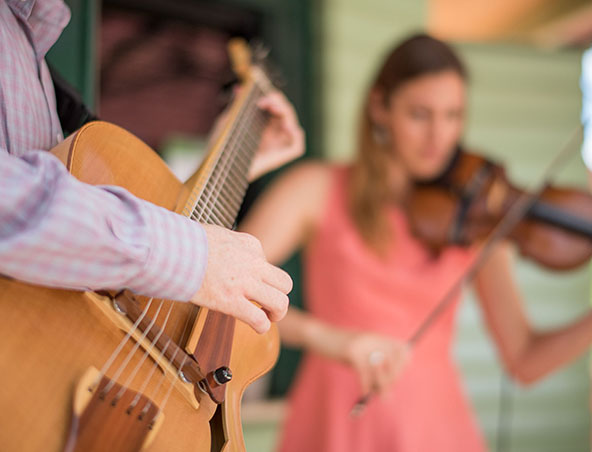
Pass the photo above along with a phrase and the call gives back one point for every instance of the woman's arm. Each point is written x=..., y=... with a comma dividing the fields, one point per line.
x=283, y=219
x=287, y=213
x=377, y=359
x=527, y=354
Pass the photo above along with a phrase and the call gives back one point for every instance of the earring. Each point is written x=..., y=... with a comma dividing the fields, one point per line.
x=380, y=135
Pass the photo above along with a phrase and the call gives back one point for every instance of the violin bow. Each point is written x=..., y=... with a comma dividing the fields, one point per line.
x=515, y=213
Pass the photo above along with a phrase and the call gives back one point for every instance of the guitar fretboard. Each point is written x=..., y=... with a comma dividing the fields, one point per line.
x=227, y=183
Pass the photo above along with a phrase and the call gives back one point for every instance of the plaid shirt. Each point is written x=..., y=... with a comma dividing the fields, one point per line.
x=55, y=230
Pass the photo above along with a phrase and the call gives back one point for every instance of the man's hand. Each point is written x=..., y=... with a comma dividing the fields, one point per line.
x=283, y=138
x=237, y=274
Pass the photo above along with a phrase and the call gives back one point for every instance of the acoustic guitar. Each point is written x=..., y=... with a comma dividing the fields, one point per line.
x=96, y=372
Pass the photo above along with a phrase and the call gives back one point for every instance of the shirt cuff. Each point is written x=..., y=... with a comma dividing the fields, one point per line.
x=177, y=260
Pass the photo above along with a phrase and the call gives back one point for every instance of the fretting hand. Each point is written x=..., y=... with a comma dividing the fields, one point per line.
x=283, y=138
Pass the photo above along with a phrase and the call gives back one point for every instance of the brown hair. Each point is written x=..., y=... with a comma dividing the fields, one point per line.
x=414, y=57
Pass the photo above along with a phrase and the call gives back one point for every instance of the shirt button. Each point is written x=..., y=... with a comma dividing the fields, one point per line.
x=59, y=136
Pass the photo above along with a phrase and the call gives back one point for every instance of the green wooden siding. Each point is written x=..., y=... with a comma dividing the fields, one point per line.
x=524, y=103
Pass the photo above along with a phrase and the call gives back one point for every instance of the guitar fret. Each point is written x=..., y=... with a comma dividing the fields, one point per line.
x=226, y=215
x=222, y=195
x=228, y=207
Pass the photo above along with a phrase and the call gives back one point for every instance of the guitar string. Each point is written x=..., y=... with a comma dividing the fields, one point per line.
x=217, y=191
x=154, y=368
x=128, y=335
x=253, y=107
x=217, y=188
x=203, y=215
x=122, y=343
x=263, y=83
x=226, y=155
x=208, y=207
x=147, y=380
x=222, y=179
x=163, y=376
x=147, y=352
x=224, y=184
x=130, y=354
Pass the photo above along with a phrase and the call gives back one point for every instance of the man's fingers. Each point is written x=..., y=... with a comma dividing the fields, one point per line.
x=278, y=278
x=254, y=316
x=272, y=300
x=276, y=104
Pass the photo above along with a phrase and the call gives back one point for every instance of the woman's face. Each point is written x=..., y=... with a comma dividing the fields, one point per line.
x=425, y=117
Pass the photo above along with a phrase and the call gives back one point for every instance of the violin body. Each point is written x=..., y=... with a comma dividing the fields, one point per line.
x=468, y=201
x=50, y=339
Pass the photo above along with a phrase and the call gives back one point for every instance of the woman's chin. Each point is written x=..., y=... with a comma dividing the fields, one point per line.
x=427, y=173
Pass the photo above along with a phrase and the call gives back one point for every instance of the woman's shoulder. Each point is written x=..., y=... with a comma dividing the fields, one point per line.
x=315, y=173
x=310, y=183
x=306, y=176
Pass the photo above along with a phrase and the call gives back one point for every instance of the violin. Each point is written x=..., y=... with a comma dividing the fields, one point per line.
x=473, y=202
x=464, y=204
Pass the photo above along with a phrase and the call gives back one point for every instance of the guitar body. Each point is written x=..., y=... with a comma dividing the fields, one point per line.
x=49, y=337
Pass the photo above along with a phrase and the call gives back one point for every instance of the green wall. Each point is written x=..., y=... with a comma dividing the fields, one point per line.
x=75, y=53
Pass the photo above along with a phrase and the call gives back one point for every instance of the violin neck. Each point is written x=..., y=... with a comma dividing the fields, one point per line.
x=554, y=216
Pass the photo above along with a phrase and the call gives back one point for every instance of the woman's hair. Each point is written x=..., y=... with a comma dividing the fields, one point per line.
x=369, y=193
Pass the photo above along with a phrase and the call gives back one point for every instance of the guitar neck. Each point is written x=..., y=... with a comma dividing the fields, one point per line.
x=222, y=180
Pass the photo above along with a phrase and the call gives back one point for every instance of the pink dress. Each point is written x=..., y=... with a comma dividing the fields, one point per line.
x=347, y=286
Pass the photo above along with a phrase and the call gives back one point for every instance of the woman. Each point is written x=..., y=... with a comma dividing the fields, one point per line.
x=369, y=283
